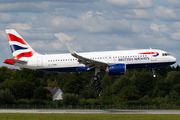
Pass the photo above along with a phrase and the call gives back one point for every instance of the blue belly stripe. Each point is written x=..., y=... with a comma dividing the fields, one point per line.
x=128, y=66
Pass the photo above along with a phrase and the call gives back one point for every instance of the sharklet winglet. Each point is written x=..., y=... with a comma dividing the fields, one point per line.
x=70, y=50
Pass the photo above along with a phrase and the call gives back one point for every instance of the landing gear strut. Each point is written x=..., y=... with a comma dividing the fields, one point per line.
x=97, y=70
x=153, y=71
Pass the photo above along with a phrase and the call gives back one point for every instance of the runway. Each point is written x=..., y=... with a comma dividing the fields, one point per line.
x=95, y=111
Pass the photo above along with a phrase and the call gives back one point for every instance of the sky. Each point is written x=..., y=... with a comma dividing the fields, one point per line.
x=92, y=25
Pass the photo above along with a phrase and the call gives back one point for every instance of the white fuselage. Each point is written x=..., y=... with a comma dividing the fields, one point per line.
x=143, y=58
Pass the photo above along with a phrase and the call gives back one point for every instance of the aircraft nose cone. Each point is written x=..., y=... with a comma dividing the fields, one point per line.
x=173, y=59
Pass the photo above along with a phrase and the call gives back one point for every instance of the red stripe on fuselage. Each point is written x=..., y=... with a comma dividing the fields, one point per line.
x=12, y=37
x=149, y=53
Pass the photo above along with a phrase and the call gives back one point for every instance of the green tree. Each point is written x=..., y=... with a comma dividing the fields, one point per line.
x=88, y=94
x=176, y=88
x=106, y=96
x=130, y=92
x=173, y=96
x=163, y=71
x=75, y=84
x=49, y=83
x=40, y=93
x=177, y=68
x=144, y=82
x=20, y=89
x=6, y=97
x=5, y=73
x=116, y=99
x=107, y=81
x=70, y=99
x=145, y=100
x=119, y=84
x=55, y=83
x=62, y=78
x=173, y=78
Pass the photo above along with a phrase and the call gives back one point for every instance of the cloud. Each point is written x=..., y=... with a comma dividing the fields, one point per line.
x=63, y=37
x=169, y=3
x=3, y=35
x=42, y=6
x=154, y=27
x=175, y=25
x=89, y=22
x=69, y=1
x=132, y=3
x=99, y=13
x=138, y=14
x=20, y=26
x=164, y=13
x=164, y=29
x=40, y=46
x=123, y=48
x=21, y=7
x=87, y=15
x=85, y=23
x=154, y=42
x=4, y=18
x=176, y=36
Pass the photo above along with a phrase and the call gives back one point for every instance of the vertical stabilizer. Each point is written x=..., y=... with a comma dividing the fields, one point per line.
x=18, y=45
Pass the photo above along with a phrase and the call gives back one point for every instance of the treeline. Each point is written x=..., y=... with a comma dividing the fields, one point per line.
x=138, y=86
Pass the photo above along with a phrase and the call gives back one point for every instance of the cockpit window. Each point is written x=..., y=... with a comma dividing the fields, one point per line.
x=165, y=54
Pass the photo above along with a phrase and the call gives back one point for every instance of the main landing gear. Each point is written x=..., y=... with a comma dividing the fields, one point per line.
x=95, y=78
x=96, y=83
x=153, y=71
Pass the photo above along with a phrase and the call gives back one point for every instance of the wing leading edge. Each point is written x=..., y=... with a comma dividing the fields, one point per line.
x=88, y=62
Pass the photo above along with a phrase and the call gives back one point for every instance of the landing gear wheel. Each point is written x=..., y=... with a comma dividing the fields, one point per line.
x=95, y=78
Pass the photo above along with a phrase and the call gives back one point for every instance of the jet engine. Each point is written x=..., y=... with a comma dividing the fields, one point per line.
x=116, y=69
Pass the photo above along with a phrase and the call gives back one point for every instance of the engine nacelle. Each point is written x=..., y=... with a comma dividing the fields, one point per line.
x=82, y=68
x=116, y=69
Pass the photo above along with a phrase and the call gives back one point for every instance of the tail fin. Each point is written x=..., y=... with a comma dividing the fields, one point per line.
x=18, y=45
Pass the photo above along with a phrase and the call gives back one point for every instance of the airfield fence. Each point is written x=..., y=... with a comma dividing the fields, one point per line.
x=139, y=107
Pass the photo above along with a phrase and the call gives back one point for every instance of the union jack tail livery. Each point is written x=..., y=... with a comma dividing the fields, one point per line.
x=19, y=47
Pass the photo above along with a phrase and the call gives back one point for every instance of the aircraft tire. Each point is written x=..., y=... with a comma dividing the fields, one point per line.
x=95, y=78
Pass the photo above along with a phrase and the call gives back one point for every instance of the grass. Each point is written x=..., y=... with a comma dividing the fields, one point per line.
x=35, y=116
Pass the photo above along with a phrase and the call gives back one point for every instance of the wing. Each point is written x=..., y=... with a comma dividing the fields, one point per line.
x=88, y=62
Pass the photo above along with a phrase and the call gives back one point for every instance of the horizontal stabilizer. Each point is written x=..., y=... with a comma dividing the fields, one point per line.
x=13, y=61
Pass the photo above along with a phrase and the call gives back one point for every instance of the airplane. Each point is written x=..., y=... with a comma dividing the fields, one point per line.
x=111, y=62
